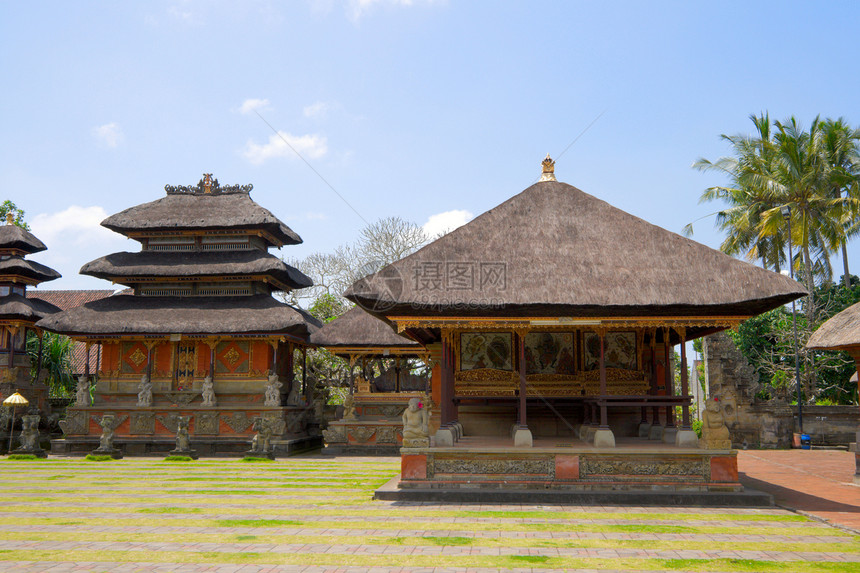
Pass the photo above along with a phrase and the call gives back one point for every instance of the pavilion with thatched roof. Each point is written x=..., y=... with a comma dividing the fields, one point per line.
x=553, y=317
x=842, y=332
x=199, y=334
x=19, y=313
x=384, y=387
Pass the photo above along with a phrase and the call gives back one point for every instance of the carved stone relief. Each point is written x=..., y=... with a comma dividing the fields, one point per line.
x=386, y=435
x=76, y=422
x=542, y=468
x=169, y=421
x=143, y=423
x=238, y=421
x=334, y=435
x=619, y=468
x=206, y=423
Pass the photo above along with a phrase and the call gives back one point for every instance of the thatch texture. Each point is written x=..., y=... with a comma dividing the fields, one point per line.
x=177, y=212
x=125, y=267
x=554, y=250
x=14, y=237
x=17, y=307
x=358, y=328
x=841, y=332
x=158, y=315
x=19, y=266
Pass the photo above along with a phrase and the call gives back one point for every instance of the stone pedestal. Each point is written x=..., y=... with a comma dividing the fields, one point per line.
x=187, y=453
x=686, y=439
x=604, y=438
x=644, y=430
x=523, y=438
x=669, y=433
x=260, y=454
x=588, y=434
x=38, y=452
x=444, y=437
x=656, y=432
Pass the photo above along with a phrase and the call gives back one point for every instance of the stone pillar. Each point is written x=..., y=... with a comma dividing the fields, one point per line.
x=656, y=431
x=671, y=429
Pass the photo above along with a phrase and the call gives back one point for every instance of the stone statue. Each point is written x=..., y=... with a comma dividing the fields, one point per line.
x=295, y=398
x=82, y=395
x=349, y=409
x=144, y=395
x=416, y=434
x=209, y=400
x=30, y=437
x=715, y=433
x=108, y=423
x=273, y=390
x=183, y=440
x=261, y=443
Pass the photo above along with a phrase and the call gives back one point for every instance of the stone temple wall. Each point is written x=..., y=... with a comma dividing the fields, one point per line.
x=767, y=424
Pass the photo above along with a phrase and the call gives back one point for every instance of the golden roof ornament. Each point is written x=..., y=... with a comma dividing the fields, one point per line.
x=548, y=173
x=10, y=218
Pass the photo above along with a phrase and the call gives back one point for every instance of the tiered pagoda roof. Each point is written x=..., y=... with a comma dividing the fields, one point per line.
x=16, y=273
x=204, y=268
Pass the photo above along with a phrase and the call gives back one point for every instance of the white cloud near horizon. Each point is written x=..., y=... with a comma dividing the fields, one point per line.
x=251, y=105
x=110, y=134
x=442, y=223
x=316, y=109
x=309, y=146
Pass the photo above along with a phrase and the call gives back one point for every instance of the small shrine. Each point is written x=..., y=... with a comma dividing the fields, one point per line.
x=842, y=332
x=199, y=348
x=552, y=322
x=19, y=314
x=372, y=419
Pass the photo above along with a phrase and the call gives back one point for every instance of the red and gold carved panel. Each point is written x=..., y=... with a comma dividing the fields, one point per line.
x=233, y=357
x=133, y=358
x=261, y=357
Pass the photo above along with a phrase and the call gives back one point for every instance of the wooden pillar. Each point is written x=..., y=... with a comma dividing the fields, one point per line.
x=41, y=336
x=352, y=360
x=87, y=367
x=212, y=346
x=604, y=422
x=148, y=360
x=655, y=411
x=521, y=353
x=290, y=372
x=685, y=390
x=305, y=373
x=668, y=375
x=447, y=390
x=397, y=374
x=12, y=332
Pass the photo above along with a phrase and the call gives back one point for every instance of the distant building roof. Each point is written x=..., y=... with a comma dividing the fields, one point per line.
x=66, y=299
x=357, y=328
x=840, y=332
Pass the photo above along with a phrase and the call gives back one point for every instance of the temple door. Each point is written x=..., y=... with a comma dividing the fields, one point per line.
x=186, y=360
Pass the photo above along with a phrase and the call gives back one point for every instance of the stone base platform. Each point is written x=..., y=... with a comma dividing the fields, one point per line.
x=379, y=437
x=155, y=446
x=636, y=469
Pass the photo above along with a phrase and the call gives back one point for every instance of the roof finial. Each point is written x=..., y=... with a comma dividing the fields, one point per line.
x=548, y=173
x=10, y=218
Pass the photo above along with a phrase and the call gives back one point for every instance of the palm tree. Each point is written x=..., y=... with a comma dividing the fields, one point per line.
x=841, y=153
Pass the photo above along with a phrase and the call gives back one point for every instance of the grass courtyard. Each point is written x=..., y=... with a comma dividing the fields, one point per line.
x=316, y=514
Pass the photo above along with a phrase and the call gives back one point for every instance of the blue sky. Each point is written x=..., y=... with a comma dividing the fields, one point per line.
x=408, y=108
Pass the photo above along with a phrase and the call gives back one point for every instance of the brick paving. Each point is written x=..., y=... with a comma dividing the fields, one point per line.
x=138, y=515
x=816, y=482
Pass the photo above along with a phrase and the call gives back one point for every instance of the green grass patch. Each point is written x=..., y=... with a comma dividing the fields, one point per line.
x=24, y=457
x=178, y=459
x=256, y=460
x=448, y=541
x=98, y=458
x=245, y=537
x=529, y=558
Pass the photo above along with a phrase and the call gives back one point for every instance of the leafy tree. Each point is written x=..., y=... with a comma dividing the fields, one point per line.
x=9, y=207
x=56, y=361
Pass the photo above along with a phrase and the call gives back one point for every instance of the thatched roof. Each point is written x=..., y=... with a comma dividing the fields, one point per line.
x=19, y=266
x=177, y=212
x=556, y=251
x=840, y=332
x=158, y=315
x=17, y=307
x=14, y=237
x=125, y=267
x=356, y=328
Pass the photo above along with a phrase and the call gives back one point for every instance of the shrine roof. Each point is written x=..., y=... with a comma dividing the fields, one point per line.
x=19, y=266
x=555, y=251
x=357, y=328
x=194, y=209
x=28, y=309
x=118, y=266
x=840, y=332
x=66, y=299
x=14, y=237
x=126, y=314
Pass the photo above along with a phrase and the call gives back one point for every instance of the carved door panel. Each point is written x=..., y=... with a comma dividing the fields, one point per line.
x=186, y=360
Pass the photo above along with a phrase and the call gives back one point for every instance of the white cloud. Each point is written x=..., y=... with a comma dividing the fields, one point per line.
x=73, y=237
x=110, y=134
x=317, y=109
x=357, y=8
x=251, y=105
x=315, y=216
x=308, y=146
x=442, y=223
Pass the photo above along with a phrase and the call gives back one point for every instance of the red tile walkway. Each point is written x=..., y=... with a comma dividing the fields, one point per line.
x=816, y=482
